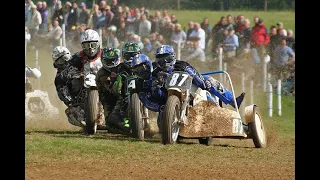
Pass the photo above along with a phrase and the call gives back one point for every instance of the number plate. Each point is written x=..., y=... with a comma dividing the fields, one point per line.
x=131, y=83
x=179, y=79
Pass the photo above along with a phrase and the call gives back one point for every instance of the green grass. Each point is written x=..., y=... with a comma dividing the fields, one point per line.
x=270, y=18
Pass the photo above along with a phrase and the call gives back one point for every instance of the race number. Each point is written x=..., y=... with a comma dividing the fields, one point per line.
x=175, y=77
x=132, y=84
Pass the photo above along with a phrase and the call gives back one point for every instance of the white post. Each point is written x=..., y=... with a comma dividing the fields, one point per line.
x=220, y=62
x=279, y=97
x=264, y=75
x=225, y=76
x=60, y=43
x=100, y=34
x=37, y=66
x=270, y=100
x=251, y=91
x=64, y=35
x=25, y=44
x=179, y=50
x=243, y=90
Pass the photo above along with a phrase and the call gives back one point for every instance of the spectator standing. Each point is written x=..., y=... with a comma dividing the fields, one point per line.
x=102, y=5
x=66, y=14
x=53, y=8
x=55, y=34
x=58, y=14
x=117, y=17
x=191, y=28
x=122, y=32
x=230, y=44
x=148, y=50
x=84, y=14
x=136, y=22
x=34, y=21
x=178, y=35
x=114, y=6
x=229, y=22
x=274, y=41
x=44, y=16
x=144, y=11
x=108, y=17
x=207, y=29
x=239, y=26
x=284, y=58
x=101, y=19
x=244, y=37
x=26, y=15
x=73, y=18
x=259, y=38
x=195, y=53
x=174, y=19
x=144, y=27
x=290, y=39
x=199, y=34
x=130, y=24
x=217, y=34
x=95, y=17
x=29, y=4
x=280, y=26
x=154, y=24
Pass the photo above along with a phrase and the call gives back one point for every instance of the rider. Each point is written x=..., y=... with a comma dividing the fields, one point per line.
x=89, y=58
x=61, y=57
x=166, y=61
x=109, y=83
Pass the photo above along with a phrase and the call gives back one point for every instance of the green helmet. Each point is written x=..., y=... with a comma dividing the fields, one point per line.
x=110, y=57
x=129, y=50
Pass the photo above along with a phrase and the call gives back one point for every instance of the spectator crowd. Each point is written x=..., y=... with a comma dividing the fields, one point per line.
x=119, y=24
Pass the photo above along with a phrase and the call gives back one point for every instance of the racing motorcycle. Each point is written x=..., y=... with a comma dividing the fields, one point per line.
x=92, y=105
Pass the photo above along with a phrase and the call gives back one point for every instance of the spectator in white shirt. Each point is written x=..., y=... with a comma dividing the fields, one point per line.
x=144, y=27
x=195, y=53
x=198, y=34
x=178, y=35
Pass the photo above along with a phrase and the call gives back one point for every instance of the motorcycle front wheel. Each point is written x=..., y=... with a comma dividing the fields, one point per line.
x=136, y=121
x=169, y=123
x=91, y=111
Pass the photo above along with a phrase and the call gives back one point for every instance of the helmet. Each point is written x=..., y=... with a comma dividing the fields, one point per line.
x=90, y=42
x=142, y=66
x=165, y=56
x=110, y=57
x=129, y=50
x=60, y=56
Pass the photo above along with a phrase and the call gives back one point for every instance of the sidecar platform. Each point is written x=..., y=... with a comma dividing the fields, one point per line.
x=206, y=119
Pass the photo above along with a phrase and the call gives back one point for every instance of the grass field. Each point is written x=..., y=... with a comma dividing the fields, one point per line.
x=55, y=149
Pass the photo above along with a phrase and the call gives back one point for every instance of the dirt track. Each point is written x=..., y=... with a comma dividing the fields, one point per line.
x=226, y=159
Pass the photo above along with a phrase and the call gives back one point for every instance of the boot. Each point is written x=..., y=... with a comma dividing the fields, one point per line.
x=240, y=98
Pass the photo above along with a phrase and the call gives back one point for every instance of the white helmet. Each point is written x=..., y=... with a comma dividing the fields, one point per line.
x=90, y=42
x=60, y=55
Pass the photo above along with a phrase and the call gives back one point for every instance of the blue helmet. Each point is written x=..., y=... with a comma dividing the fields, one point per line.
x=165, y=56
x=142, y=65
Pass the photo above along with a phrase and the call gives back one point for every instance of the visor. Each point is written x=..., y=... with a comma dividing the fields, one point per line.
x=90, y=45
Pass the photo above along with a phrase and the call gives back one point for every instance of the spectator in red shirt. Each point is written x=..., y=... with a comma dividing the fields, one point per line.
x=259, y=39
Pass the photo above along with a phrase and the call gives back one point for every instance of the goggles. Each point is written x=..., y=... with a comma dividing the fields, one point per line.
x=90, y=45
x=61, y=60
x=129, y=56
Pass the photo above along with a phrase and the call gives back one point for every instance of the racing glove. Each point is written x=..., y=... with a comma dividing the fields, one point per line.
x=117, y=85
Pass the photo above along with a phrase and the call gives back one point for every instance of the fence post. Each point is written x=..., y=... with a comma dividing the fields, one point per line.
x=279, y=97
x=37, y=66
x=179, y=50
x=264, y=74
x=225, y=76
x=243, y=90
x=25, y=45
x=100, y=35
x=64, y=35
x=60, y=42
x=251, y=91
x=220, y=62
x=270, y=99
